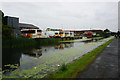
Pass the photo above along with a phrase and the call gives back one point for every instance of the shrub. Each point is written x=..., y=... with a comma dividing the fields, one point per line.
x=63, y=67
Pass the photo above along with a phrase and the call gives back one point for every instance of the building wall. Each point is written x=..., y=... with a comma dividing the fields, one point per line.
x=13, y=22
x=81, y=32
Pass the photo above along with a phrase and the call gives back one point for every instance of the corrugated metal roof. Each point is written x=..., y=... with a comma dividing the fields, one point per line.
x=31, y=26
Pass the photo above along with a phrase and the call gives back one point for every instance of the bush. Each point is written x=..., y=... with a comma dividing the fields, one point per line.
x=17, y=42
x=49, y=41
x=7, y=32
x=25, y=42
x=63, y=67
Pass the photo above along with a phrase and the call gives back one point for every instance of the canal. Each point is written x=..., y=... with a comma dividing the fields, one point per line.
x=35, y=60
x=27, y=58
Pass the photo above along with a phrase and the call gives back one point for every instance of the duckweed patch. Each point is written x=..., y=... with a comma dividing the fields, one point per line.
x=10, y=67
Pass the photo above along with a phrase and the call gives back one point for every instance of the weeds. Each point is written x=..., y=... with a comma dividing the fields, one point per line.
x=22, y=42
x=63, y=67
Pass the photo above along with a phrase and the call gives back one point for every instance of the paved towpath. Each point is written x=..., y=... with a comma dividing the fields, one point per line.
x=105, y=65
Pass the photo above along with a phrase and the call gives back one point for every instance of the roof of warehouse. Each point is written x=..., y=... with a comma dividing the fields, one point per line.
x=27, y=25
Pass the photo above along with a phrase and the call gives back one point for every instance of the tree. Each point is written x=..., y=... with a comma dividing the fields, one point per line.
x=106, y=33
x=106, y=30
x=7, y=32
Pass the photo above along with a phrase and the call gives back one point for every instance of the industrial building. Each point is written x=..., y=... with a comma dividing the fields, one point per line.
x=81, y=32
x=13, y=22
x=27, y=26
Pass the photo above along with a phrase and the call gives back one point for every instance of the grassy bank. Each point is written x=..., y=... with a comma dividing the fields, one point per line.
x=22, y=42
x=71, y=70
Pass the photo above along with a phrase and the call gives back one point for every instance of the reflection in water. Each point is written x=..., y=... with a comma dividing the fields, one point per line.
x=34, y=52
x=87, y=41
x=92, y=40
x=57, y=47
x=64, y=45
x=10, y=60
x=61, y=46
x=15, y=58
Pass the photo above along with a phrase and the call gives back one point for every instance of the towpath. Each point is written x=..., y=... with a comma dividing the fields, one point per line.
x=105, y=65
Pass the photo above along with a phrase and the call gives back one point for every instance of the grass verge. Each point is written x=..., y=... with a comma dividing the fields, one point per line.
x=79, y=65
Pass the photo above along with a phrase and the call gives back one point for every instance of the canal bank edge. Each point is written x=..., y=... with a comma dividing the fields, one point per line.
x=72, y=70
x=78, y=40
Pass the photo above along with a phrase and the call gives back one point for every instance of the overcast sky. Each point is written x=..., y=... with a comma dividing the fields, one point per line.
x=65, y=15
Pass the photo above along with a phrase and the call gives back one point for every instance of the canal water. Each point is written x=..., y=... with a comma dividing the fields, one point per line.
x=27, y=58
x=34, y=60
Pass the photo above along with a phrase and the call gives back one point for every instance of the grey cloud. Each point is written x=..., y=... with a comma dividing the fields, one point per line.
x=67, y=15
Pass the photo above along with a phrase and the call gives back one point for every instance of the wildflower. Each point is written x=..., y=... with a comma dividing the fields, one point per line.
x=35, y=67
x=58, y=65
